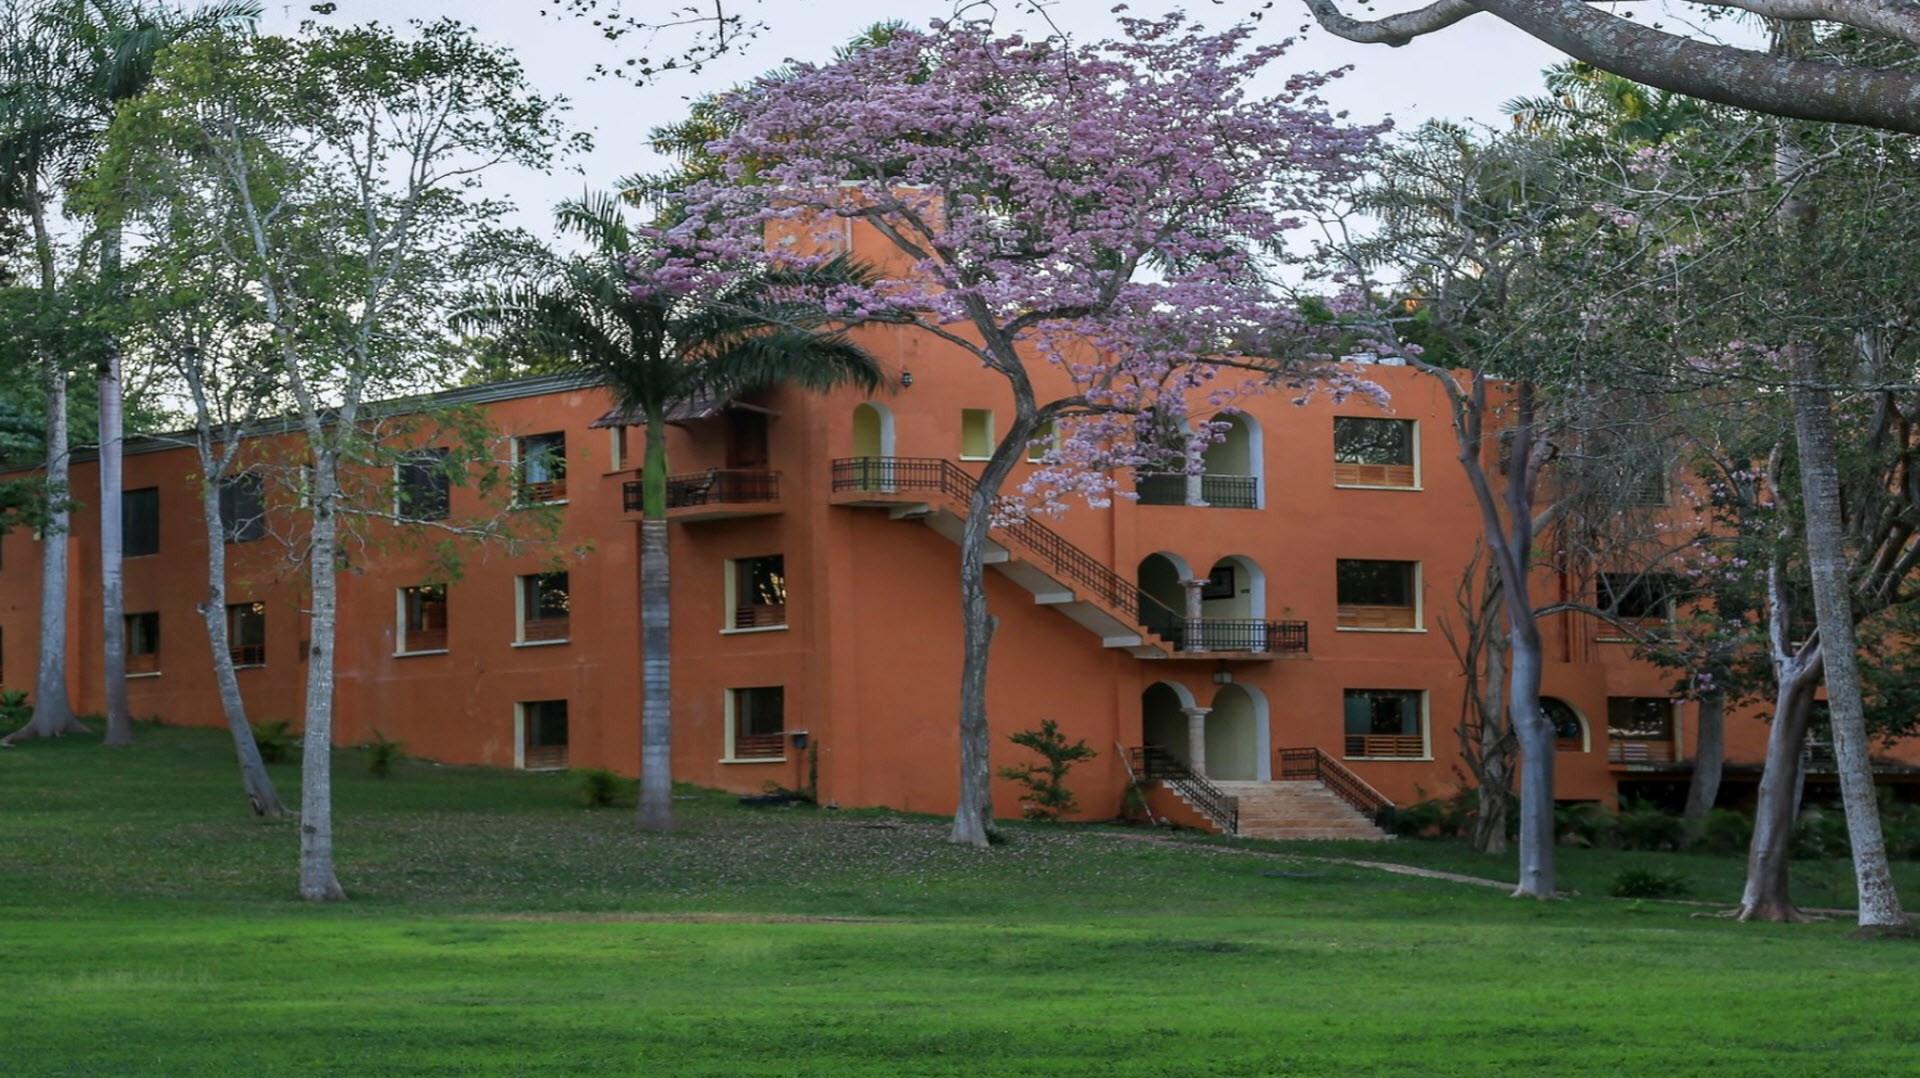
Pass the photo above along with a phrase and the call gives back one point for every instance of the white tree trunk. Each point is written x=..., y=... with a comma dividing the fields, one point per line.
x=112, y=590
x=1833, y=610
x=1767, y=896
x=656, y=716
x=1535, y=734
x=1709, y=759
x=317, y=880
x=262, y=798
x=52, y=711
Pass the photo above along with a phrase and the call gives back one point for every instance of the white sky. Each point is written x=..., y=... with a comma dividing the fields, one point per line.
x=1465, y=73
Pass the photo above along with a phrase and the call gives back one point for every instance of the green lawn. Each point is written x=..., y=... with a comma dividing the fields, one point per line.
x=498, y=928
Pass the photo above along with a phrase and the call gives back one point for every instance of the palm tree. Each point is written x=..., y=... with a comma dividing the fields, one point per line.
x=658, y=351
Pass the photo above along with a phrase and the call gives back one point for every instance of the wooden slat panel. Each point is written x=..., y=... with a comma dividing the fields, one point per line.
x=144, y=664
x=1355, y=616
x=545, y=629
x=545, y=757
x=1640, y=752
x=1402, y=745
x=249, y=654
x=759, y=746
x=552, y=490
x=760, y=616
x=426, y=640
x=1372, y=475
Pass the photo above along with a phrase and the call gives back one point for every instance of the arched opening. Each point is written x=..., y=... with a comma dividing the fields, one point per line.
x=1233, y=600
x=1233, y=478
x=1569, y=726
x=1167, y=442
x=1163, y=595
x=873, y=442
x=1163, y=719
x=1239, y=736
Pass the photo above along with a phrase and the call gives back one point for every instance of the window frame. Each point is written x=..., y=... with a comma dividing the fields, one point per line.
x=731, y=589
x=403, y=631
x=234, y=530
x=1606, y=598
x=1422, y=702
x=523, y=728
x=733, y=735
x=127, y=498
x=987, y=422
x=1415, y=474
x=1416, y=607
x=525, y=587
x=430, y=460
x=234, y=647
x=128, y=621
x=522, y=485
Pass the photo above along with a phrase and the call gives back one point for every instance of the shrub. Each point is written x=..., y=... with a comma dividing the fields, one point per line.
x=600, y=788
x=382, y=753
x=1647, y=828
x=1640, y=883
x=1420, y=819
x=1724, y=831
x=1901, y=824
x=1583, y=824
x=1047, y=795
x=274, y=739
x=1820, y=833
x=15, y=711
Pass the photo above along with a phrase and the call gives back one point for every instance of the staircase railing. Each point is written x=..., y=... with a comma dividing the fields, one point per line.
x=1311, y=763
x=1153, y=762
x=890, y=474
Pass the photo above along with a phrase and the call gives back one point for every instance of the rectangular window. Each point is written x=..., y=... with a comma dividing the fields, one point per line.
x=1640, y=730
x=1637, y=596
x=616, y=448
x=247, y=633
x=757, y=723
x=243, y=509
x=1378, y=594
x=543, y=735
x=1042, y=443
x=1385, y=724
x=423, y=490
x=423, y=619
x=545, y=608
x=757, y=592
x=140, y=522
x=976, y=433
x=542, y=461
x=1373, y=452
x=143, y=643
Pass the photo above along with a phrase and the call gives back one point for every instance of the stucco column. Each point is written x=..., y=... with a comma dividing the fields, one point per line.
x=1193, y=639
x=1197, y=738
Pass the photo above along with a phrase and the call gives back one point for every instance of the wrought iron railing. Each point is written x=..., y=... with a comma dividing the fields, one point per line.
x=1160, y=488
x=1230, y=491
x=1069, y=562
x=1155, y=763
x=716, y=486
x=1217, y=491
x=1312, y=764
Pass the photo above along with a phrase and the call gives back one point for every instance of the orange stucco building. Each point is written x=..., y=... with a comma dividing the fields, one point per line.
x=1290, y=598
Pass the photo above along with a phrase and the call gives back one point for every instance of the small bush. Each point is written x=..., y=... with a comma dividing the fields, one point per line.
x=1418, y=820
x=382, y=753
x=1724, y=831
x=1640, y=883
x=1047, y=796
x=1583, y=824
x=1820, y=833
x=274, y=739
x=1647, y=828
x=15, y=711
x=1901, y=824
x=600, y=788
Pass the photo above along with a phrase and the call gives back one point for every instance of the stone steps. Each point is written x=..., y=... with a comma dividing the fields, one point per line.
x=1298, y=810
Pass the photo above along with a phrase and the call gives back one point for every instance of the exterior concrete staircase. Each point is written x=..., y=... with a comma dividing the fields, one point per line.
x=1298, y=809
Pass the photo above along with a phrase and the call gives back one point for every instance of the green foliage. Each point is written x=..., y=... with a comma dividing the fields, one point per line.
x=382, y=753
x=1584, y=824
x=1820, y=833
x=1047, y=796
x=275, y=739
x=15, y=709
x=600, y=788
x=1417, y=820
x=1724, y=831
x=1644, y=827
x=1642, y=883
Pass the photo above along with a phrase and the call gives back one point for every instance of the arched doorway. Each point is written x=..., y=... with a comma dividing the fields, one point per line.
x=1163, y=719
x=1569, y=726
x=1234, y=477
x=1239, y=739
x=873, y=442
x=1163, y=594
x=1234, y=604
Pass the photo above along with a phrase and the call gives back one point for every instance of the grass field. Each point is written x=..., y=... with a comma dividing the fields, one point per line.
x=497, y=927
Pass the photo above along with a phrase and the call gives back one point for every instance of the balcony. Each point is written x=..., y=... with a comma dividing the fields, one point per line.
x=1225, y=637
x=715, y=494
x=1642, y=753
x=1215, y=491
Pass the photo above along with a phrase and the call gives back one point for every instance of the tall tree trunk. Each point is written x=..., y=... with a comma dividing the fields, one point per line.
x=655, y=812
x=973, y=811
x=1496, y=745
x=1767, y=896
x=1833, y=611
x=262, y=798
x=1535, y=734
x=52, y=710
x=112, y=590
x=1703, y=789
x=317, y=880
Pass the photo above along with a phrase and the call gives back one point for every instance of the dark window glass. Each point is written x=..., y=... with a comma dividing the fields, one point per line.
x=1375, y=583
x=1639, y=718
x=143, y=634
x=424, y=489
x=759, y=712
x=1565, y=720
x=760, y=592
x=546, y=606
x=1636, y=596
x=425, y=609
x=543, y=467
x=1383, y=711
x=247, y=633
x=243, y=509
x=546, y=723
x=1372, y=441
x=140, y=522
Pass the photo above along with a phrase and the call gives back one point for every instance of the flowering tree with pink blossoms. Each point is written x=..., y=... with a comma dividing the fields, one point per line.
x=1113, y=211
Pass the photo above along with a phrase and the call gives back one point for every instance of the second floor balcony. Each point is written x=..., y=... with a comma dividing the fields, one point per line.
x=715, y=494
x=1207, y=490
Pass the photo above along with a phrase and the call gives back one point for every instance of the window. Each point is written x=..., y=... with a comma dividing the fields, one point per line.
x=1377, y=594
x=243, y=509
x=1385, y=724
x=422, y=488
x=757, y=723
x=757, y=593
x=1043, y=443
x=1569, y=732
x=616, y=448
x=140, y=522
x=247, y=633
x=1636, y=597
x=543, y=735
x=423, y=619
x=1373, y=452
x=1640, y=729
x=976, y=433
x=543, y=467
x=143, y=643
x=545, y=606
